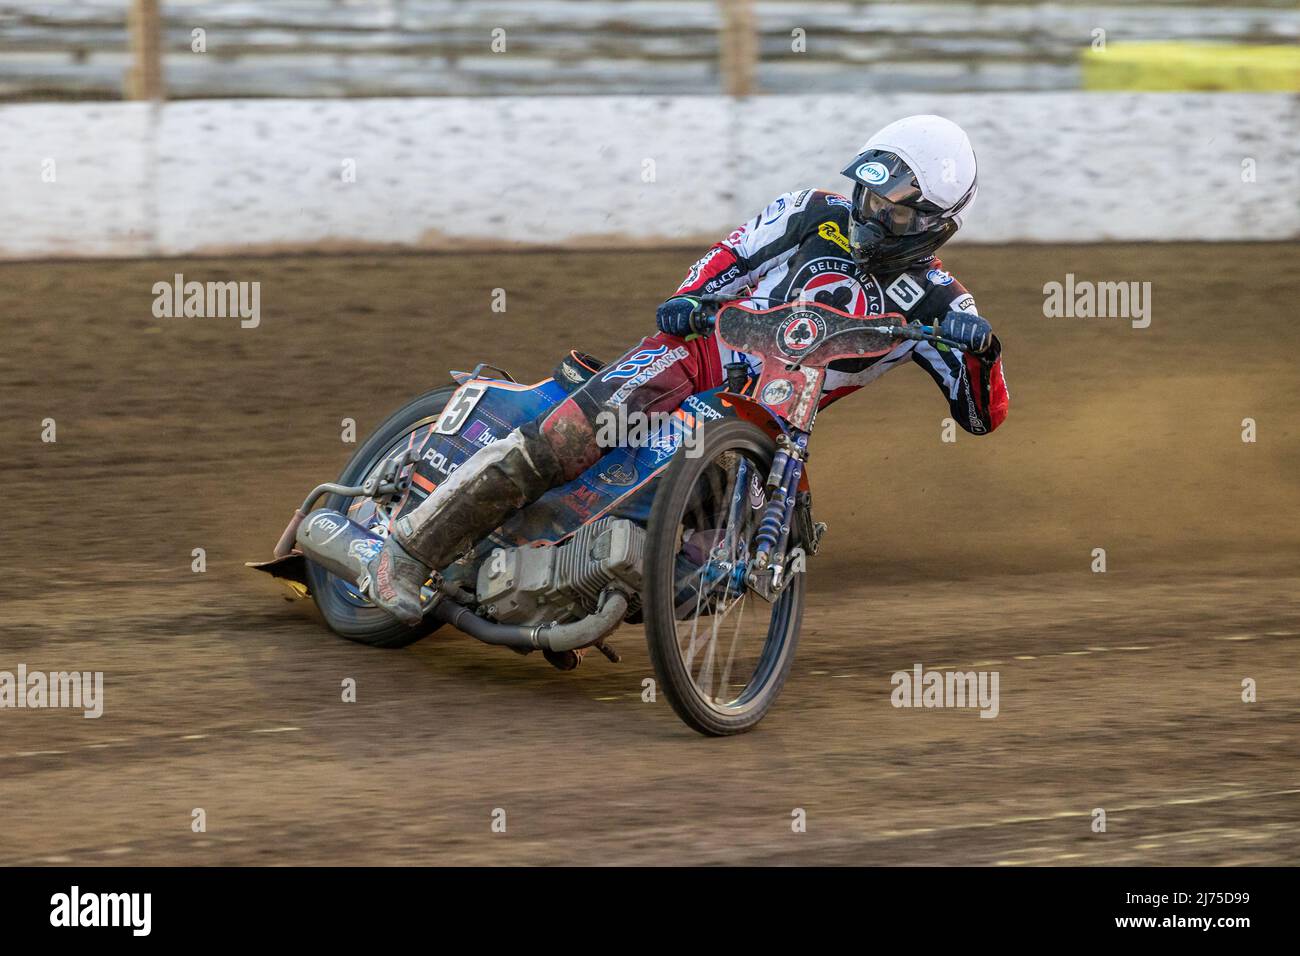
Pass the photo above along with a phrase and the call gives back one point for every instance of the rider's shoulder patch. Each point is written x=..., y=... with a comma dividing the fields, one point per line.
x=938, y=277
x=905, y=292
x=950, y=296
x=779, y=207
x=964, y=303
x=835, y=199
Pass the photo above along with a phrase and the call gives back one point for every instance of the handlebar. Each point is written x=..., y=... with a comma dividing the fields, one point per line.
x=704, y=322
x=917, y=333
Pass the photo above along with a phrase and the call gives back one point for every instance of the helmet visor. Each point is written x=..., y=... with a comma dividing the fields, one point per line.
x=895, y=217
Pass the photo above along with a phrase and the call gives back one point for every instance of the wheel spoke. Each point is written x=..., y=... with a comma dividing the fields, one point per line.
x=705, y=683
x=731, y=655
x=714, y=537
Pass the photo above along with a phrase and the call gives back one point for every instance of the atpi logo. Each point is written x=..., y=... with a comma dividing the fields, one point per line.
x=873, y=174
x=776, y=392
x=327, y=524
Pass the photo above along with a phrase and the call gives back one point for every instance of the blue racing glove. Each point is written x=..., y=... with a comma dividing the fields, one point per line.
x=677, y=316
x=969, y=331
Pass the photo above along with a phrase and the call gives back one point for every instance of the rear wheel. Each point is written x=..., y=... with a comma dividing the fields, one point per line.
x=346, y=610
x=721, y=652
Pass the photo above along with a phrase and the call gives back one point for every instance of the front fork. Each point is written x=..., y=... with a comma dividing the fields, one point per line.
x=774, y=563
x=773, y=554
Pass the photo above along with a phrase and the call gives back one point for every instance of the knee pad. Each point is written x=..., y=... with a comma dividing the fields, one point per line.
x=567, y=437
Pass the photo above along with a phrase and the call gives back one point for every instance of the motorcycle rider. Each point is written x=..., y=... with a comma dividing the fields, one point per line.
x=869, y=254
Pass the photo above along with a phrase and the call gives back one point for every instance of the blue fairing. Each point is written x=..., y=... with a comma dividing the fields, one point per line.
x=621, y=483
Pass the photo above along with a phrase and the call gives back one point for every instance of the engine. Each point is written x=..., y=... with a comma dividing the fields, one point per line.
x=537, y=585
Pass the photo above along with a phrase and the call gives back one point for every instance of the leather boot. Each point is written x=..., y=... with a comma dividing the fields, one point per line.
x=479, y=495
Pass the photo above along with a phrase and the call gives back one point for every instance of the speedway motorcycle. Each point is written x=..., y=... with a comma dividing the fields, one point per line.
x=708, y=550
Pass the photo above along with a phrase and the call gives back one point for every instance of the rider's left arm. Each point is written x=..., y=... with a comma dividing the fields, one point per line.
x=974, y=385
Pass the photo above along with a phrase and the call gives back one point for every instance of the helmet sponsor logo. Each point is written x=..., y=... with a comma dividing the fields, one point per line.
x=873, y=174
x=777, y=392
x=801, y=331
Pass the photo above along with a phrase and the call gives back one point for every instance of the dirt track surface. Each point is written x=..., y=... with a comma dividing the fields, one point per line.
x=1119, y=690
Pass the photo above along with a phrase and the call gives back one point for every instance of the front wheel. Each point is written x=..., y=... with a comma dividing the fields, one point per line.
x=721, y=652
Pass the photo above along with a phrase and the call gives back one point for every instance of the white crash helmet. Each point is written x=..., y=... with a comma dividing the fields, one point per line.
x=912, y=181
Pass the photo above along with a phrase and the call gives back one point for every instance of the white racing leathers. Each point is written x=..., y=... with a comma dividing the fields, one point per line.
x=798, y=247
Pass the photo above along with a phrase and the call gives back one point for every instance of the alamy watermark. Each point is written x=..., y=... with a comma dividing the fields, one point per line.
x=921, y=688
x=75, y=908
x=208, y=300
x=1083, y=299
x=662, y=432
x=77, y=690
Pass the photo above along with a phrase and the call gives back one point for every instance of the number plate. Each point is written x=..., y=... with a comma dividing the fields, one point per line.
x=458, y=409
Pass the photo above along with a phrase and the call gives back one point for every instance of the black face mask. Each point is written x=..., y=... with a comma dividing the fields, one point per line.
x=875, y=249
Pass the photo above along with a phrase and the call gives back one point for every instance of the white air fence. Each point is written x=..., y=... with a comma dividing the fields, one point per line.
x=206, y=177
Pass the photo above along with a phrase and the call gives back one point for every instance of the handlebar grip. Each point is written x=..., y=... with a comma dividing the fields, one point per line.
x=702, y=322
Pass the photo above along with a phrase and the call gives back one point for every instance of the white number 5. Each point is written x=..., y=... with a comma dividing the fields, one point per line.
x=458, y=409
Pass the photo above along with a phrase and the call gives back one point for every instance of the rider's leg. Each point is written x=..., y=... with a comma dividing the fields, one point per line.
x=561, y=444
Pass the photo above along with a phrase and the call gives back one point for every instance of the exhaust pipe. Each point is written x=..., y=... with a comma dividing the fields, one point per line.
x=546, y=637
x=337, y=543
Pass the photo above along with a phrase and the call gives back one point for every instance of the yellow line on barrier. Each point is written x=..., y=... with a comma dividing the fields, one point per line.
x=1175, y=65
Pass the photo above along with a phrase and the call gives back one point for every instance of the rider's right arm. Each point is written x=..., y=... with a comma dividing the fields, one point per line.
x=757, y=246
